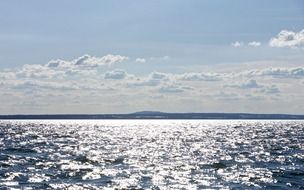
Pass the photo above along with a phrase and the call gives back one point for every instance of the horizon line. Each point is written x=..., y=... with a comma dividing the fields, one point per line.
x=155, y=115
x=147, y=113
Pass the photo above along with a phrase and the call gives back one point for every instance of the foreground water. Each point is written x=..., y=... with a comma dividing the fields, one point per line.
x=151, y=154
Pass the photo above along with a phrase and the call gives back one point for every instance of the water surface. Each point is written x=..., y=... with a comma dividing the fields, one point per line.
x=151, y=154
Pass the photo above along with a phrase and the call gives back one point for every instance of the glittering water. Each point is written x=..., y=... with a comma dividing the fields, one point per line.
x=152, y=154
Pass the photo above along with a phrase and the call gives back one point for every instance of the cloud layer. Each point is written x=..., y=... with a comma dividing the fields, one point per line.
x=92, y=83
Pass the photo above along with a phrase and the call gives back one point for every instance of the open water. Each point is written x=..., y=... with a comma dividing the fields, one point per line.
x=151, y=154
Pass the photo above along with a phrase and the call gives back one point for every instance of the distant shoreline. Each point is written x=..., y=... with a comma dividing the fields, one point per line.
x=157, y=115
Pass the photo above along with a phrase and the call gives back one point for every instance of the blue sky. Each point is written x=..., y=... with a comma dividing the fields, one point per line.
x=221, y=39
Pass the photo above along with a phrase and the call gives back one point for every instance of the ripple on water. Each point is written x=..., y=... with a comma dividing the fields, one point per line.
x=152, y=154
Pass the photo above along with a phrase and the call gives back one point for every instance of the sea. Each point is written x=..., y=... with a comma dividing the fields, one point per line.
x=152, y=154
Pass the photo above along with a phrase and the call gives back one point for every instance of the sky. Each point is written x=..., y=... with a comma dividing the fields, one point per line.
x=123, y=56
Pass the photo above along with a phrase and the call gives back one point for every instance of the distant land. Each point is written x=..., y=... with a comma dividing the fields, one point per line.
x=158, y=115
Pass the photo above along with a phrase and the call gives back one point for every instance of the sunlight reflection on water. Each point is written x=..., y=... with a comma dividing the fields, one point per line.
x=152, y=154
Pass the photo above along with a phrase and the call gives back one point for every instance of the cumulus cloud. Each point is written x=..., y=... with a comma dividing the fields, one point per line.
x=7, y=75
x=91, y=61
x=253, y=84
x=273, y=89
x=199, y=77
x=158, y=76
x=92, y=81
x=246, y=85
x=237, y=44
x=45, y=85
x=250, y=84
x=88, y=61
x=293, y=72
x=37, y=71
x=83, y=65
x=170, y=88
x=288, y=39
x=140, y=60
x=153, y=79
x=284, y=72
x=254, y=44
x=116, y=74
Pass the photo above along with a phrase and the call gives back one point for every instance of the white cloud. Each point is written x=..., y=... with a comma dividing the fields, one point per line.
x=87, y=61
x=237, y=44
x=45, y=85
x=92, y=61
x=170, y=88
x=158, y=76
x=116, y=74
x=153, y=79
x=254, y=44
x=84, y=65
x=288, y=39
x=7, y=75
x=199, y=77
x=250, y=84
x=273, y=89
x=246, y=85
x=140, y=60
x=284, y=72
x=38, y=71
x=293, y=72
x=92, y=82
